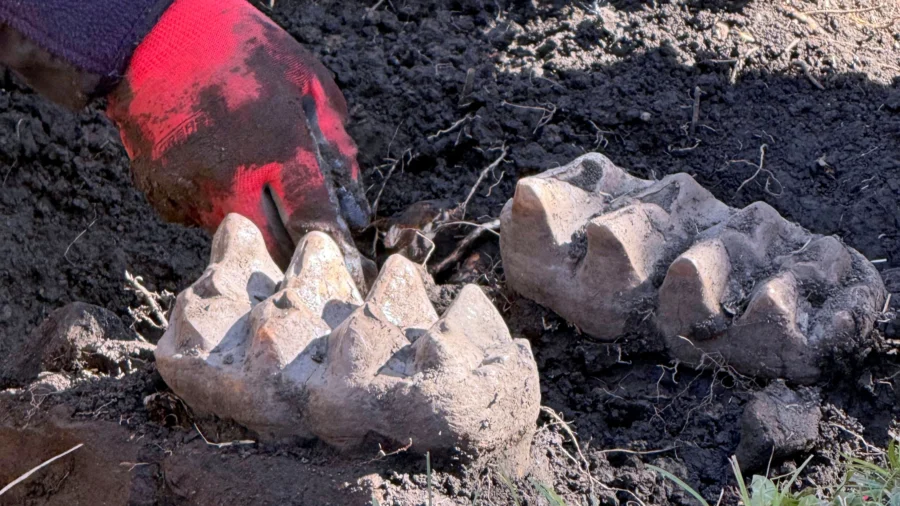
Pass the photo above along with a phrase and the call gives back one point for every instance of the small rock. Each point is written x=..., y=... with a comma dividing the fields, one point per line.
x=547, y=48
x=50, y=383
x=75, y=337
x=781, y=419
x=721, y=30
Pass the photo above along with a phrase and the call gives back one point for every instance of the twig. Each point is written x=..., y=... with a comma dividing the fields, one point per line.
x=499, y=180
x=790, y=47
x=600, y=136
x=149, y=298
x=844, y=11
x=451, y=128
x=803, y=17
x=696, y=116
x=562, y=423
x=635, y=452
x=467, y=87
x=97, y=412
x=224, y=445
x=806, y=72
x=545, y=117
x=533, y=75
x=734, y=70
x=6, y=174
x=401, y=161
x=133, y=465
x=869, y=447
x=25, y=476
x=383, y=185
x=739, y=65
x=430, y=250
x=464, y=245
x=490, y=226
x=372, y=9
x=383, y=454
x=670, y=149
x=66, y=253
x=428, y=477
x=56, y=487
x=759, y=168
x=492, y=166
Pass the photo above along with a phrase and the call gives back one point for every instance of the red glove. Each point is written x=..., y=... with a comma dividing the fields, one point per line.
x=222, y=111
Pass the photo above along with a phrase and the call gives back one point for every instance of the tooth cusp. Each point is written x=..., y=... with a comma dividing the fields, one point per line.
x=315, y=359
x=769, y=297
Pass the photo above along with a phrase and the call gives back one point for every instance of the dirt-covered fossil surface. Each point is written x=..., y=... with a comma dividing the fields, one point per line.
x=605, y=249
x=791, y=103
x=305, y=354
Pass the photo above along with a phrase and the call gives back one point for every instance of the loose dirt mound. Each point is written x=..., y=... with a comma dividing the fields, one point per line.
x=435, y=88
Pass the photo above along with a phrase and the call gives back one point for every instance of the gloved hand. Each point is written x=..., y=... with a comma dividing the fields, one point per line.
x=222, y=111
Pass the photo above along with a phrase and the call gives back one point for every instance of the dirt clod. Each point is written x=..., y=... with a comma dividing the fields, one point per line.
x=73, y=338
x=778, y=423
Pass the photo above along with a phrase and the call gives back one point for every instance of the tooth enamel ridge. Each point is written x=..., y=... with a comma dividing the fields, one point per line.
x=603, y=248
x=305, y=354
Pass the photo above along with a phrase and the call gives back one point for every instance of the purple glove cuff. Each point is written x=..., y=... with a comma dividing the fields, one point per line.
x=96, y=36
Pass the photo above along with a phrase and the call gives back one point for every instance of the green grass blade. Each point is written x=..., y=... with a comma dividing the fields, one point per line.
x=894, y=498
x=893, y=456
x=863, y=466
x=745, y=496
x=511, y=488
x=786, y=487
x=809, y=500
x=684, y=486
x=375, y=500
x=552, y=497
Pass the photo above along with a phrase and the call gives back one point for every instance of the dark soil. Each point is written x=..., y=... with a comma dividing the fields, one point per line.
x=550, y=81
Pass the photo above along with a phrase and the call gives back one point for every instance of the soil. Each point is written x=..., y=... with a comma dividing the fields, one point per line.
x=438, y=87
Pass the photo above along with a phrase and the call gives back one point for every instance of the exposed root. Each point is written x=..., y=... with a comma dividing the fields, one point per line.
x=25, y=476
x=582, y=462
x=695, y=116
x=872, y=449
x=467, y=87
x=452, y=127
x=402, y=161
x=760, y=168
x=806, y=72
x=499, y=180
x=547, y=115
x=152, y=300
x=224, y=445
x=845, y=11
x=466, y=243
x=66, y=253
x=370, y=10
x=383, y=454
x=461, y=210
